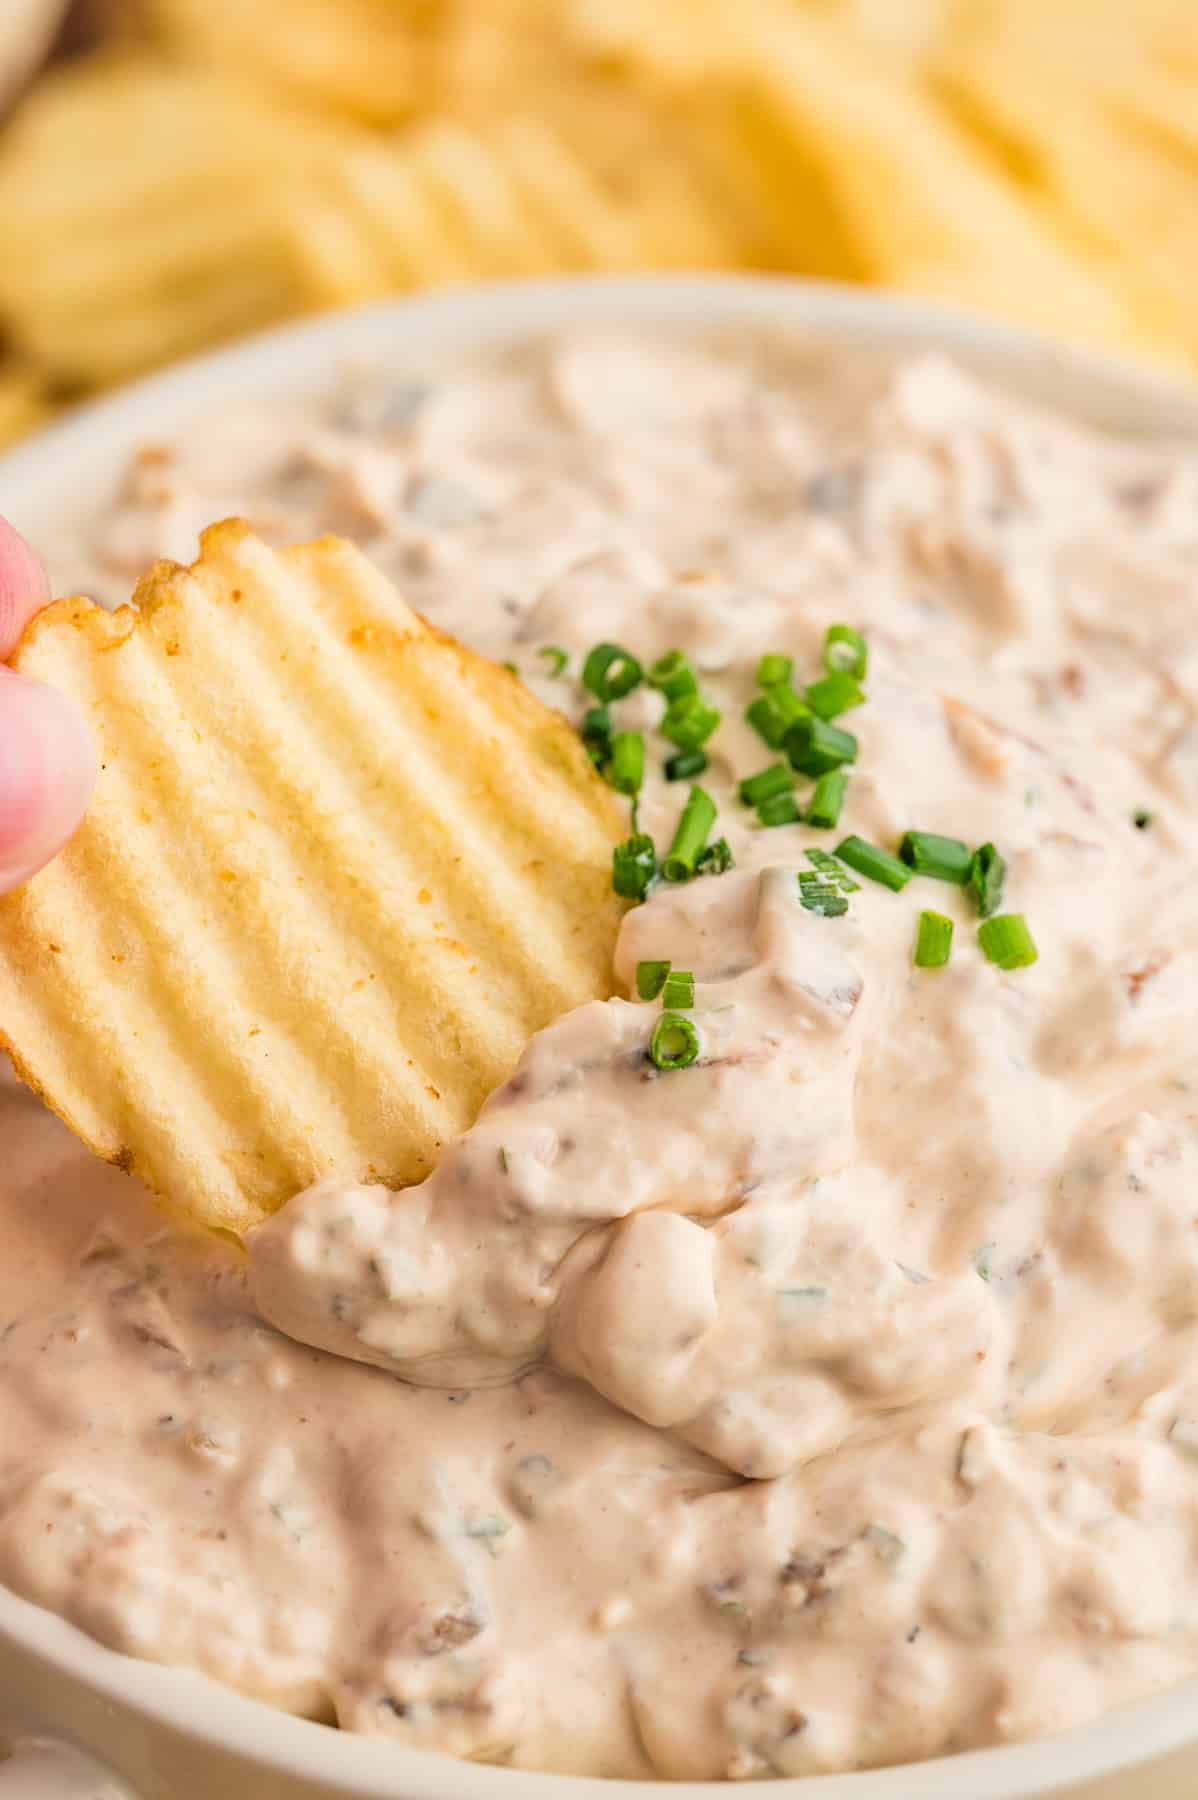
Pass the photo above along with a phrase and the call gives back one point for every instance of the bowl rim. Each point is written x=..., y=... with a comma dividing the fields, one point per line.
x=86, y=451
x=1140, y=397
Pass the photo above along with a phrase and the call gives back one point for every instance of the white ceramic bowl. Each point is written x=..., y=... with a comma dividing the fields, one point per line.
x=171, y=1735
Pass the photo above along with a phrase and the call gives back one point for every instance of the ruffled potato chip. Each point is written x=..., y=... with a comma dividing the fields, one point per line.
x=337, y=870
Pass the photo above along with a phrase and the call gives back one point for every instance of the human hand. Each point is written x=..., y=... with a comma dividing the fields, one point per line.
x=47, y=759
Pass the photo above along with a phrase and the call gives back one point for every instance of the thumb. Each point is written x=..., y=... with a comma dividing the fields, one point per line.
x=47, y=772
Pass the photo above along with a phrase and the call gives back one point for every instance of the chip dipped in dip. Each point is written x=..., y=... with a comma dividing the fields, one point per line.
x=791, y=1369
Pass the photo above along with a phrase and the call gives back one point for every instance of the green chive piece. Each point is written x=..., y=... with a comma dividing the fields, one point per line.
x=987, y=874
x=943, y=858
x=766, y=720
x=814, y=746
x=717, y=859
x=651, y=978
x=777, y=779
x=827, y=799
x=633, y=866
x=1007, y=941
x=596, y=734
x=774, y=670
x=678, y=994
x=834, y=694
x=830, y=870
x=673, y=676
x=610, y=672
x=874, y=864
x=689, y=722
x=773, y=713
x=820, y=896
x=1141, y=818
x=511, y=668
x=845, y=652
x=696, y=820
x=934, y=941
x=779, y=809
x=556, y=658
x=675, y=1042
x=684, y=764
x=626, y=770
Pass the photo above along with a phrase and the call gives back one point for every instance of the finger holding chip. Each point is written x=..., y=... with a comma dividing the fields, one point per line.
x=47, y=760
x=336, y=872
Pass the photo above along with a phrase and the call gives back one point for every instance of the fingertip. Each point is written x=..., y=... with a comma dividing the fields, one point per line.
x=47, y=773
x=24, y=587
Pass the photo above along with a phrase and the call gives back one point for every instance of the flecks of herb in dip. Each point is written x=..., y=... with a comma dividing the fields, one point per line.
x=915, y=1252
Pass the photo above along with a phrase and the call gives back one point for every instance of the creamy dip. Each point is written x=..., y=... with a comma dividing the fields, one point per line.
x=827, y=1403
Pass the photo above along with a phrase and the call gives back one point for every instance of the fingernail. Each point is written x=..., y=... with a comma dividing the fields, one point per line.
x=47, y=772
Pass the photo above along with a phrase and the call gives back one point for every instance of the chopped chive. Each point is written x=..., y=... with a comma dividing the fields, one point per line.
x=823, y=808
x=888, y=1544
x=678, y=994
x=845, y=652
x=831, y=870
x=626, y=770
x=824, y=900
x=717, y=859
x=820, y=896
x=674, y=1044
x=987, y=874
x=779, y=809
x=696, y=820
x=689, y=722
x=834, y=694
x=777, y=779
x=684, y=764
x=491, y=1525
x=673, y=676
x=511, y=668
x=874, y=864
x=610, y=672
x=1141, y=818
x=596, y=734
x=766, y=720
x=814, y=746
x=633, y=866
x=943, y=858
x=774, y=669
x=934, y=941
x=651, y=978
x=1007, y=941
x=555, y=658
x=773, y=713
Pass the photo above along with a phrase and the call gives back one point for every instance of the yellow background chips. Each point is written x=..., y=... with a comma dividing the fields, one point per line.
x=221, y=164
x=337, y=870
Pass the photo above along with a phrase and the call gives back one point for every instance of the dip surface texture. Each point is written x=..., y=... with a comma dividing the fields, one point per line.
x=831, y=1402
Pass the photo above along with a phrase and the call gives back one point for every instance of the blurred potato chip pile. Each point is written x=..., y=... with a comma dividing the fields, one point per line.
x=222, y=164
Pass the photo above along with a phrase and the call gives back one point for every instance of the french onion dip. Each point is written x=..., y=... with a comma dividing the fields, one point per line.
x=810, y=1383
